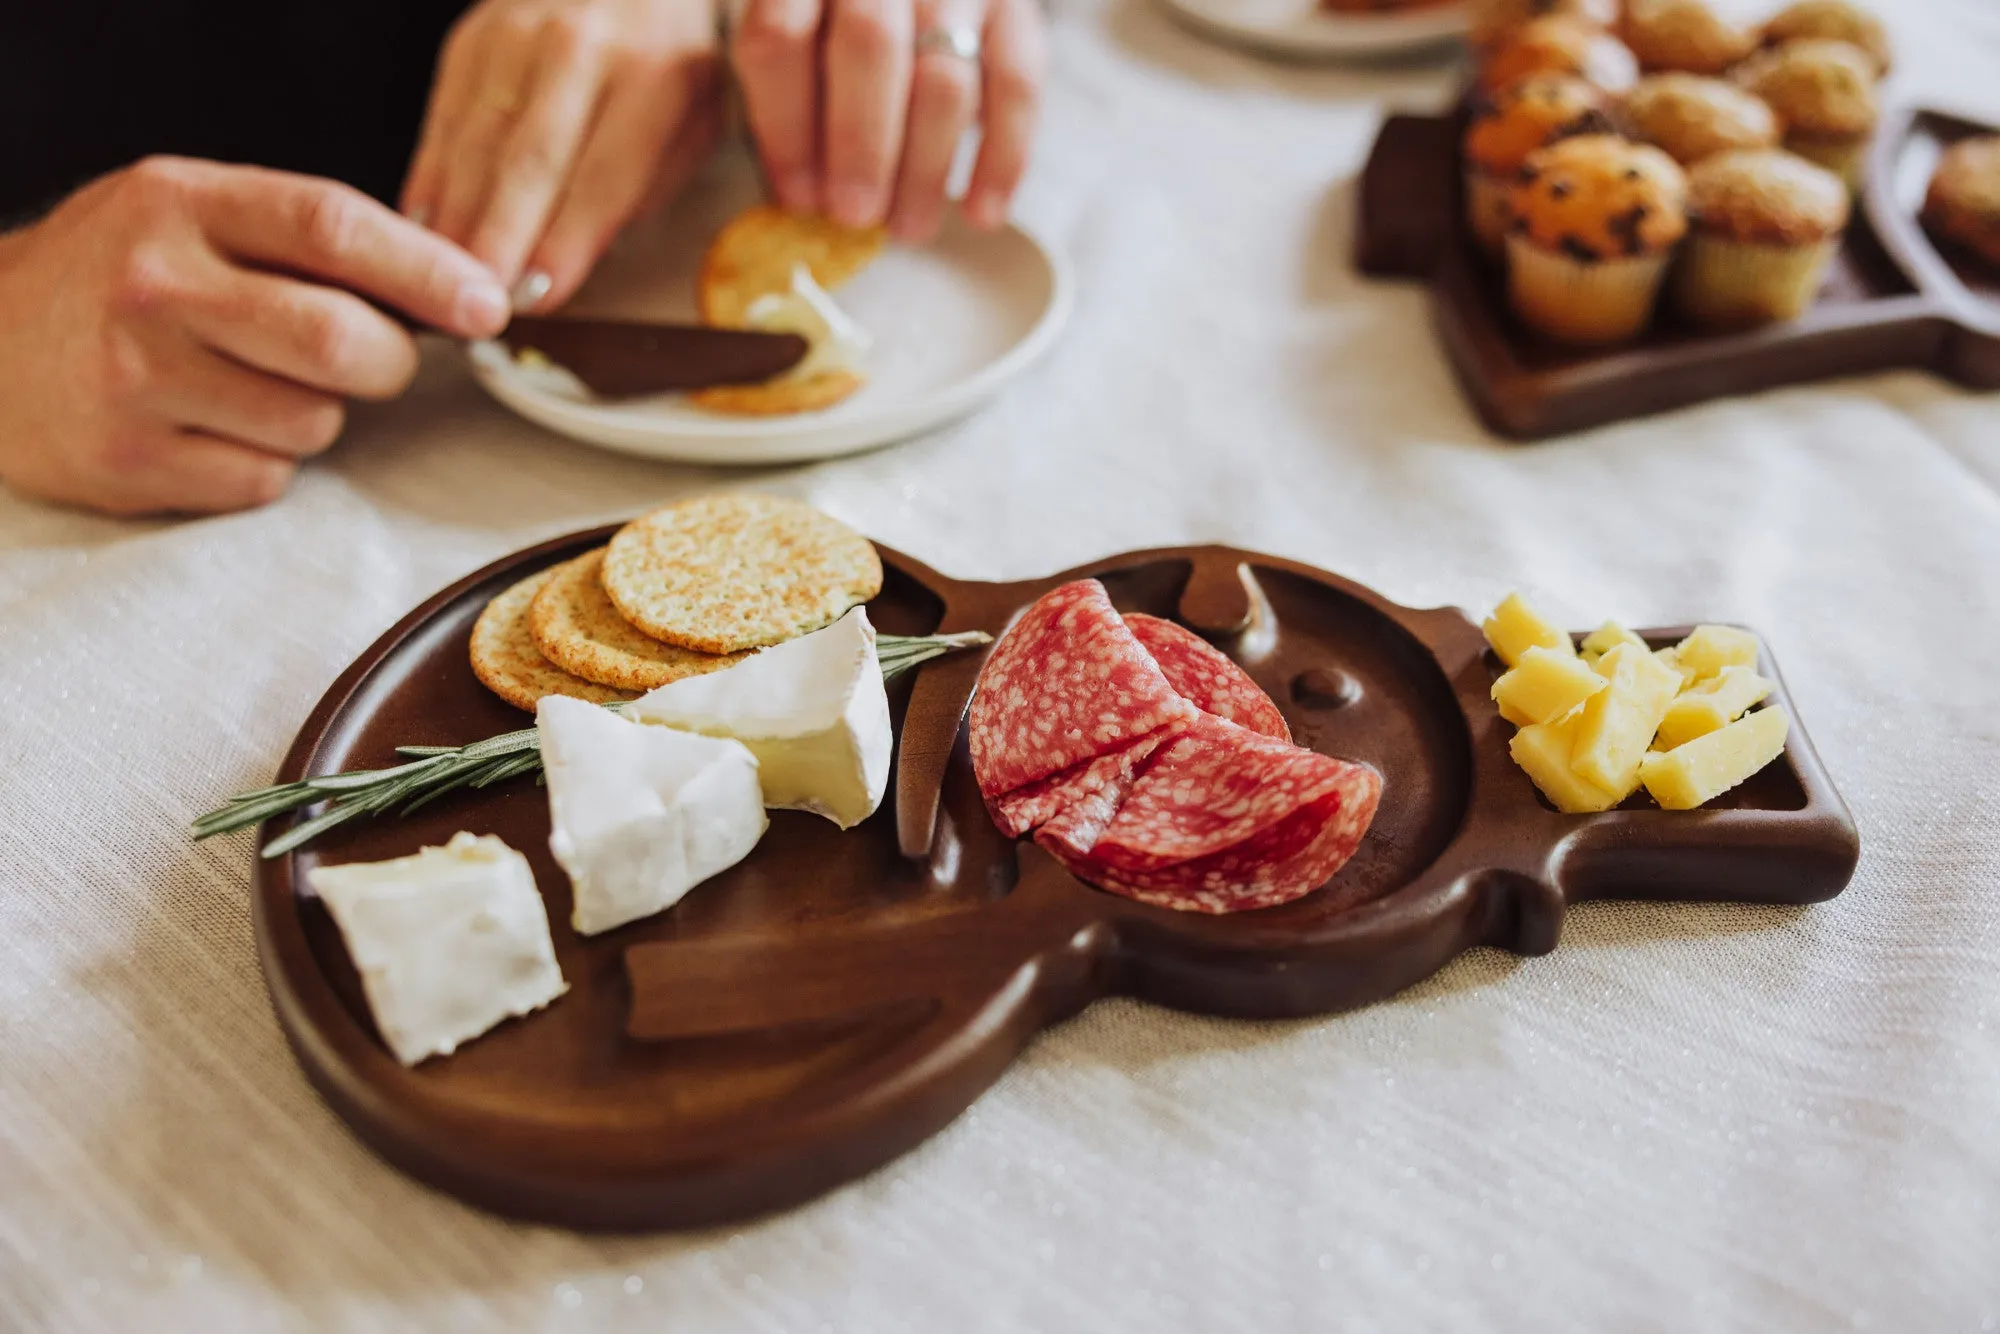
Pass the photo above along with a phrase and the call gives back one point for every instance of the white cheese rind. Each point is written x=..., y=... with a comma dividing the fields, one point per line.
x=448, y=942
x=813, y=710
x=641, y=815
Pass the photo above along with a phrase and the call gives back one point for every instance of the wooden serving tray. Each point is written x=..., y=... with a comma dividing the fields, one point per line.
x=837, y=997
x=1888, y=300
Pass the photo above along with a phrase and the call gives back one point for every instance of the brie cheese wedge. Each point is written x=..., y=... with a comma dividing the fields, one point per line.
x=448, y=942
x=813, y=711
x=641, y=815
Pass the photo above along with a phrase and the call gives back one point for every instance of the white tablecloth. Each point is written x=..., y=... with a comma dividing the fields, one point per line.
x=1685, y=1118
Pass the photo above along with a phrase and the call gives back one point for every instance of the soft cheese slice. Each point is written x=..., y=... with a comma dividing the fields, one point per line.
x=641, y=815
x=1514, y=627
x=1544, y=686
x=1711, y=706
x=1619, y=721
x=813, y=711
x=448, y=942
x=1702, y=770
x=834, y=342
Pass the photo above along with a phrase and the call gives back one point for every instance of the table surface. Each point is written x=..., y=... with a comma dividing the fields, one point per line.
x=1687, y=1117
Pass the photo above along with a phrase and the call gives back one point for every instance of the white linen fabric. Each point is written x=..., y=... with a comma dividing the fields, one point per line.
x=1687, y=1117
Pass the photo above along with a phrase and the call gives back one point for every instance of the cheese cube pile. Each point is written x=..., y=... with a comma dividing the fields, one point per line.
x=1597, y=725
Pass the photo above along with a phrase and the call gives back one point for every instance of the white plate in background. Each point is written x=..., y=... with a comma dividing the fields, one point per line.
x=952, y=323
x=1302, y=28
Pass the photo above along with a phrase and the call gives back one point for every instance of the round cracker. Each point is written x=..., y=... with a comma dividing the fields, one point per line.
x=723, y=573
x=506, y=661
x=775, y=397
x=576, y=628
x=753, y=255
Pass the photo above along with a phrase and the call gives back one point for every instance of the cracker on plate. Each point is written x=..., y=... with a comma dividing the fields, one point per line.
x=576, y=628
x=723, y=573
x=753, y=255
x=774, y=398
x=506, y=661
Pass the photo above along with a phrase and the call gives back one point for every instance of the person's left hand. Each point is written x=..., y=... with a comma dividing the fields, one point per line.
x=553, y=123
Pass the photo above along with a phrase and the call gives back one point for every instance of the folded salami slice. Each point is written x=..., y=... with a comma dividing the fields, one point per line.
x=1322, y=837
x=1066, y=684
x=1206, y=677
x=1213, y=788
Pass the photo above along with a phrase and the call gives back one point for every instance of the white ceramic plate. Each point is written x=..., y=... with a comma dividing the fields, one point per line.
x=952, y=323
x=1302, y=28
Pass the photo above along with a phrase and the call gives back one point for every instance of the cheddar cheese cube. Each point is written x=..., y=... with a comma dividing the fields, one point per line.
x=1670, y=658
x=1618, y=722
x=1607, y=637
x=1713, y=647
x=1702, y=770
x=1515, y=627
x=1545, y=686
x=1543, y=750
x=1711, y=706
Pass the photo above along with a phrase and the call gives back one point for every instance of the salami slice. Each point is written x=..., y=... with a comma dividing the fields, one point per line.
x=1206, y=677
x=1082, y=820
x=1292, y=858
x=1216, y=786
x=1066, y=684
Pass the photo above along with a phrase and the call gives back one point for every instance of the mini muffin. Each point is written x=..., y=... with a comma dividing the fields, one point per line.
x=1824, y=92
x=1691, y=117
x=1506, y=130
x=1762, y=225
x=1683, y=35
x=1964, y=201
x=1559, y=45
x=1835, y=19
x=1493, y=21
x=1594, y=221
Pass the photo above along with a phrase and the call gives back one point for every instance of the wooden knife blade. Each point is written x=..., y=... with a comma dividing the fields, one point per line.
x=624, y=359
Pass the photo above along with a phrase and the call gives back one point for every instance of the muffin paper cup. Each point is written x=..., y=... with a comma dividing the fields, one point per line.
x=1486, y=209
x=1842, y=156
x=1607, y=301
x=1724, y=284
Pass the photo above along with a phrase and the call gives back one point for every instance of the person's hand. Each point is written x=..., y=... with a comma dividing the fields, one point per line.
x=553, y=123
x=179, y=334
x=858, y=106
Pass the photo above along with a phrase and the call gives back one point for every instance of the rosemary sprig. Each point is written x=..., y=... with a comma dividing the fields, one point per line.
x=433, y=771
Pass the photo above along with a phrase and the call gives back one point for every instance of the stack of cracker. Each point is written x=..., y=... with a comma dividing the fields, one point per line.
x=687, y=589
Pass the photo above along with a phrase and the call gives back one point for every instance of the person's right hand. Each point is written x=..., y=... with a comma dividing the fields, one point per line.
x=179, y=334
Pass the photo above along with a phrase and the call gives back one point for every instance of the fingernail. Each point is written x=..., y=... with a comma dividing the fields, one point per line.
x=986, y=210
x=799, y=191
x=482, y=305
x=421, y=215
x=853, y=205
x=528, y=293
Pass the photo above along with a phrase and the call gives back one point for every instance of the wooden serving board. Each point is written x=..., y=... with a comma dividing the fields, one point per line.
x=837, y=997
x=1888, y=301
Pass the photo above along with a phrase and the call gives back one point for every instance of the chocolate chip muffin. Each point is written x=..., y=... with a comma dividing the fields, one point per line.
x=1683, y=35
x=1824, y=92
x=1594, y=221
x=1964, y=201
x=1691, y=117
x=1559, y=45
x=1836, y=19
x=1506, y=129
x=1762, y=227
x=1493, y=21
